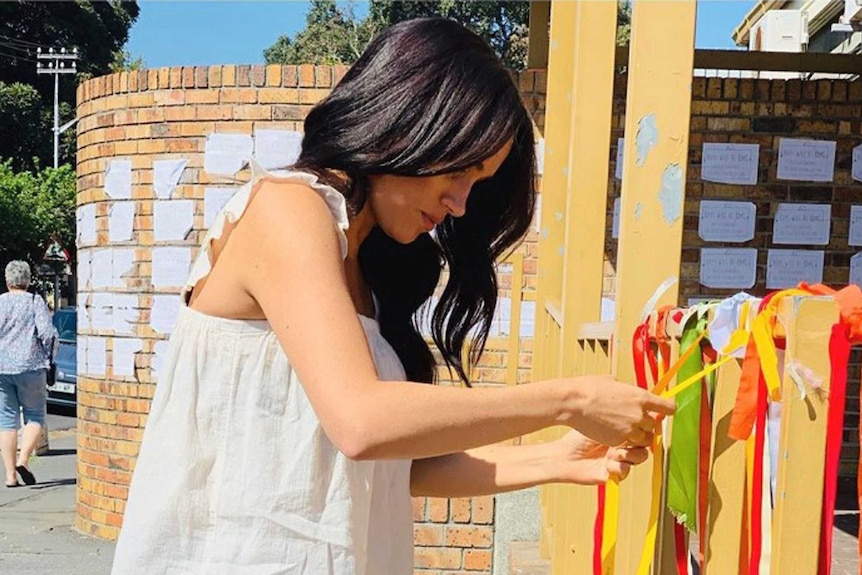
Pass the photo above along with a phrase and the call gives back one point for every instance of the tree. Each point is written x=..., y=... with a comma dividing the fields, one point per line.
x=35, y=206
x=335, y=36
x=97, y=29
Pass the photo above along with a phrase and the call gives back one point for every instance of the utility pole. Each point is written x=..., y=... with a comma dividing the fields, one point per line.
x=62, y=62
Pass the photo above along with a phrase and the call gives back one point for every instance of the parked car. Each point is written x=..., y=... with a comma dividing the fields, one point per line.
x=62, y=388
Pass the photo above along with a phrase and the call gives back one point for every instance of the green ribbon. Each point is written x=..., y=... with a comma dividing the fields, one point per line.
x=685, y=431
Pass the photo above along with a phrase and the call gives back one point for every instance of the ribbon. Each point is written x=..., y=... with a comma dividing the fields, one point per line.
x=598, y=527
x=683, y=452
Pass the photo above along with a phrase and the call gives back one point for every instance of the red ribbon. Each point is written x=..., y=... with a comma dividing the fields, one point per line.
x=598, y=528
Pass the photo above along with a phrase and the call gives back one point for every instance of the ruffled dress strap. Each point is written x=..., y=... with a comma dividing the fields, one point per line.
x=236, y=206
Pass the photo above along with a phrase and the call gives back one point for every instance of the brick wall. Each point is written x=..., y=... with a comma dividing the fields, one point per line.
x=162, y=114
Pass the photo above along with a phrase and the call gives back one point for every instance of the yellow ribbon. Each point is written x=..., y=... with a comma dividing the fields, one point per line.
x=609, y=529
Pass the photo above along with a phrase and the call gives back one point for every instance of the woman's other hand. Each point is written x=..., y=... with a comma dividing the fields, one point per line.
x=615, y=413
x=582, y=460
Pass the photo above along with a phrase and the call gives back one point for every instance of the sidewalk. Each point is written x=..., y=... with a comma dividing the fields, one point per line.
x=36, y=535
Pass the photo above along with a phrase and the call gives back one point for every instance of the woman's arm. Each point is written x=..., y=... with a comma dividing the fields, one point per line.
x=500, y=468
x=285, y=254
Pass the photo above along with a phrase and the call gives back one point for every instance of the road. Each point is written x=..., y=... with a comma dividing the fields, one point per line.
x=60, y=418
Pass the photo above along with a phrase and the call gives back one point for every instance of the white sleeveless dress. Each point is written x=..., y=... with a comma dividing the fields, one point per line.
x=236, y=476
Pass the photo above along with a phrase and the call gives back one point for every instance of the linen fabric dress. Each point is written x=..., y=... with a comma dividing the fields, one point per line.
x=235, y=475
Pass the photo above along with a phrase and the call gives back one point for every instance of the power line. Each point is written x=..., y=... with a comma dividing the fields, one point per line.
x=17, y=57
x=17, y=41
x=28, y=51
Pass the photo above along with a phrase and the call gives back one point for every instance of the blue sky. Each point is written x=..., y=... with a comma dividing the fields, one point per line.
x=176, y=33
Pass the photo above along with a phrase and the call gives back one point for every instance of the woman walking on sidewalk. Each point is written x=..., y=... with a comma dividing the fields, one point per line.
x=27, y=342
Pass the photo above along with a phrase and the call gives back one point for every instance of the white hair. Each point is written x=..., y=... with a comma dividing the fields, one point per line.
x=18, y=274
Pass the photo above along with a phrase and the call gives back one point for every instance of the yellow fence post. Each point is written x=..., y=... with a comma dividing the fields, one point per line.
x=802, y=444
x=656, y=150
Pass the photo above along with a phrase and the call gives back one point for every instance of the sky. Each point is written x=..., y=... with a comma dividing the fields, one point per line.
x=185, y=33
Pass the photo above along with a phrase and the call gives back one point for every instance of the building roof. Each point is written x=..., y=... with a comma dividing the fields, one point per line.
x=740, y=34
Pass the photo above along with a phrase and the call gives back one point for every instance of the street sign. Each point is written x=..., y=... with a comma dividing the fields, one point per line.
x=55, y=253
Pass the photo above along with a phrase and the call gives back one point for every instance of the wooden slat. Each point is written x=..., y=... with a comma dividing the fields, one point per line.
x=807, y=62
x=802, y=443
x=726, y=480
x=657, y=123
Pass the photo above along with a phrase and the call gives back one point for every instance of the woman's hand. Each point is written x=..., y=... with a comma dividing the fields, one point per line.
x=584, y=461
x=615, y=413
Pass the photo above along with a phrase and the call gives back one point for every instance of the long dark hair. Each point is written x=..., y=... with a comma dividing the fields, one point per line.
x=430, y=97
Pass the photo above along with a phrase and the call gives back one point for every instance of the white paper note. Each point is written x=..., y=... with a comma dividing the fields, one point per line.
x=540, y=156
x=537, y=213
x=730, y=163
x=125, y=313
x=124, y=356
x=722, y=221
x=856, y=171
x=172, y=219
x=806, y=160
x=122, y=261
x=725, y=268
x=615, y=224
x=804, y=224
x=86, y=224
x=621, y=147
x=100, y=305
x=855, y=236
x=96, y=356
x=160, y=352
x=83, y=272
x=83, y=317
x=226, y=154
x=277, y=149
x=121, y=221
x=118, y=179
x=856, y=269
x=101, y=268
x=164, y=313
x=214, y=200
x=786, y=268
x=81, y=352
x=171, y=266
x=166, y=174
x=528, y=319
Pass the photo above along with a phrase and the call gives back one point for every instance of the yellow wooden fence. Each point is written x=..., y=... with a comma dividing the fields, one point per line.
x=570, y=339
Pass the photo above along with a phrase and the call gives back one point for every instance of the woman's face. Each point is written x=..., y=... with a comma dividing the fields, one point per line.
x=405, y=207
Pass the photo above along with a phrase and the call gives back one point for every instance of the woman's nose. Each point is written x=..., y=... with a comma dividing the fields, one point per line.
x=455, y=200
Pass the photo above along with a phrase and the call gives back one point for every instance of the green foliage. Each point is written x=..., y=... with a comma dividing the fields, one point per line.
x=124, y=61
x=333, y=35
x=97, y=29
x=34, y=207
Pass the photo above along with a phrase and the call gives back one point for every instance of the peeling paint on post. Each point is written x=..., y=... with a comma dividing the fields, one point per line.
x=671, y=194
x=646, y=138
x=638, y=210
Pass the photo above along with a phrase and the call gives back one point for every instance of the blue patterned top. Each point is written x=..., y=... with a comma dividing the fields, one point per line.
x=27, y=336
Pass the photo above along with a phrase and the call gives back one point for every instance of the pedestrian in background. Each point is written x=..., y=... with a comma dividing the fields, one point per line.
x=27, y=346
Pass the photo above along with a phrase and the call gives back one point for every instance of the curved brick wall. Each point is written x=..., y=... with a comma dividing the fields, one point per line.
x=136, y=120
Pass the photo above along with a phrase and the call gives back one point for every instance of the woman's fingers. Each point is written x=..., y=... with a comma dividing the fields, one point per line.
x=633, y=455
x=640, y=437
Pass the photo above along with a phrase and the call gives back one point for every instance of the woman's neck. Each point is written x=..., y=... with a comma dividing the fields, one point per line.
x=360, y=226
x=16, y=289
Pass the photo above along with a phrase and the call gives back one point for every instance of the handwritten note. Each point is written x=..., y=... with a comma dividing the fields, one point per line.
x=786, y=268
x=118, y=179
x=214, y=200
x=172, y=219
x=121, y=221
x=730, y=163
x=123, y=356
x=857, y=163
x=277, y=149
x=855, y=236
x=170, y=266
x=806, y=224
x=122, y=260
x=806, y=160
x=101, y=268
x=83, y=271
x=856, y=269
x=728, y=267
x=618, y=169
x=164, y=313
x=101, y=311
x=125, y=313
x=540, y=156
x=722, y=221
x=615, y=223
x=86, y=224
x=225, y=154
x=96, y=356
x=160, y=353
x=166, y=175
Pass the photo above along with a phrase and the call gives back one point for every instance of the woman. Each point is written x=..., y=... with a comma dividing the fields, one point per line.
x=27, y=340
x=287, y=430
